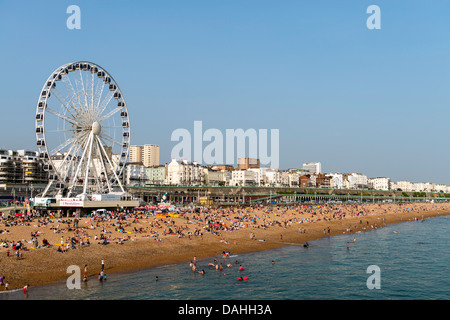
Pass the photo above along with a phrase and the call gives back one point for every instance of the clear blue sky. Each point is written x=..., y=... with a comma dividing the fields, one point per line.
x=358, y=100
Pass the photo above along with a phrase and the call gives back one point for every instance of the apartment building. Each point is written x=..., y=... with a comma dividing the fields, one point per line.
x=21, y=166
x=147, y=154
x=313, y=167
x=248, y=163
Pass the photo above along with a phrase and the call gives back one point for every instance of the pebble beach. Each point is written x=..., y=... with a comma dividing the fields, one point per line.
x=38, y=250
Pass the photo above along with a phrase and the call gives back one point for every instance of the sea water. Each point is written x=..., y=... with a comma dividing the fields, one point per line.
x=412, y=257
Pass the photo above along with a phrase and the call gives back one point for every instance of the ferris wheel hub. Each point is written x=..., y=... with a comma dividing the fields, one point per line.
x=96, y=128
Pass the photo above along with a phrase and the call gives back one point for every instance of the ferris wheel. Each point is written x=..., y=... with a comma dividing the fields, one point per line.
x=82, y=131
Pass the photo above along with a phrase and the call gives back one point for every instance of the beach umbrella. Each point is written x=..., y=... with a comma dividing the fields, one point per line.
x=18, y=215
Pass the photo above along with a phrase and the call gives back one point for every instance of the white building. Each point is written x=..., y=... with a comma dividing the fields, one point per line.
x=429, y=187
x=217, y=177
x=418, y=186
x=357, y=181
x=423, y=187
x=313, y=167
x=440, y=188
x=381, y=183
x=271, y=177
x=290, y=179
x=183, y=172
x=406, y=186
x=337, y=180
x=267, y=176
x=244, y=178
x=135, y=174
x=393, y=186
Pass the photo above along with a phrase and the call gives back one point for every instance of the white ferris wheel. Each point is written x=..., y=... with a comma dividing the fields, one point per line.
x=82, y=131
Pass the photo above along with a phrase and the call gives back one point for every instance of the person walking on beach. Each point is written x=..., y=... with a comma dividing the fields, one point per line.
x=103, y=264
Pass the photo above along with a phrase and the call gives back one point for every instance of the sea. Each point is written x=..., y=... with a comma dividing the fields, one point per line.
x=404, y=261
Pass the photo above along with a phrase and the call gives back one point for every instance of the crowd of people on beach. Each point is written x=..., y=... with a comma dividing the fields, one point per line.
x=119, y=227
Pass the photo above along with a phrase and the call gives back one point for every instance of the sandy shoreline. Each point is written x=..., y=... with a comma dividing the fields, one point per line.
x=142, y=249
